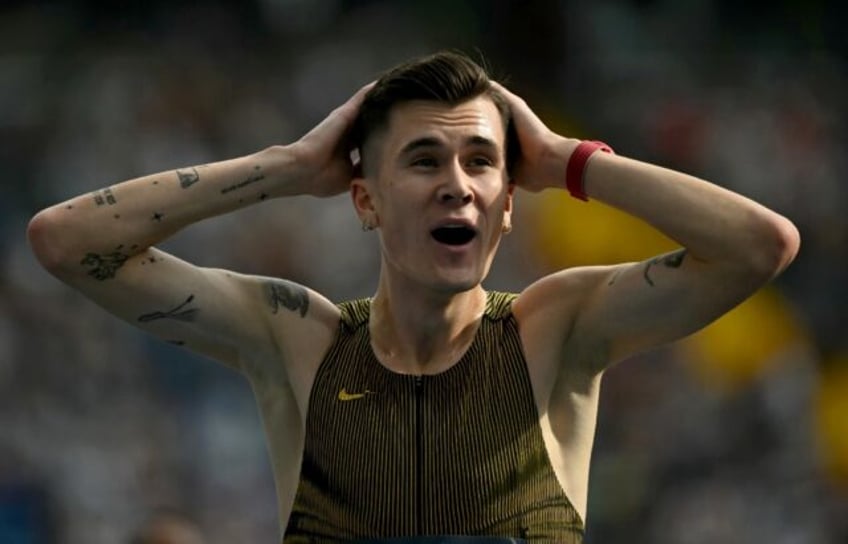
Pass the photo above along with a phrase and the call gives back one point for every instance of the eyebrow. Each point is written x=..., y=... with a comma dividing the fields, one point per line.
x=429, y=141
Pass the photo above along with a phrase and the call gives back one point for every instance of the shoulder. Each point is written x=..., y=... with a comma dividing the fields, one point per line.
x=547, y=313
x=554, y=301
x=499, y=305
x=353, y=314
x=302, y=324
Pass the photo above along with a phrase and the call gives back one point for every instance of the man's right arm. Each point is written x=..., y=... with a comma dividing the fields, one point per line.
x=102, y=244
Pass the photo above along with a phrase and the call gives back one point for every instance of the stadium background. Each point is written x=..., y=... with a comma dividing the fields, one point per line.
x=736, y=435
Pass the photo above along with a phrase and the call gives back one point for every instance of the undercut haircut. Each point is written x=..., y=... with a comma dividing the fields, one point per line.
x=446, y=77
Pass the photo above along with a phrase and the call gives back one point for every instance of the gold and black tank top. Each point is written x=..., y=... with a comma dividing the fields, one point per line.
x=456, y=453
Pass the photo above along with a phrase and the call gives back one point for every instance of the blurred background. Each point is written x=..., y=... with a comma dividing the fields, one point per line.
x=738, y=434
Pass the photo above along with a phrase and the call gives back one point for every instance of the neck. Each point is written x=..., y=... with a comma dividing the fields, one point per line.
x=423, y=332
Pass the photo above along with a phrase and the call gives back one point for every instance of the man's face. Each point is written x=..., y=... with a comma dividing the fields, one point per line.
x=439, y=192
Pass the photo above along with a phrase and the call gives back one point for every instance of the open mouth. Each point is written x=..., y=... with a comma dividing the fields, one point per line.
x=453, y=235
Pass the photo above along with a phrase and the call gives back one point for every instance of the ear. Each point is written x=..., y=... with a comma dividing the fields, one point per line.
x=510, y=190
x=362, y=193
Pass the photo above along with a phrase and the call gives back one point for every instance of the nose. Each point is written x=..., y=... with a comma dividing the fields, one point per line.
x=455, y=188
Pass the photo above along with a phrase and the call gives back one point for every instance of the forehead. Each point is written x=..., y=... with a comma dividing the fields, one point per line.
x=409, y=121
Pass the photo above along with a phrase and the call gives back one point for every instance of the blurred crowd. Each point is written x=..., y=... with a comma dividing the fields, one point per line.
x=738, y=434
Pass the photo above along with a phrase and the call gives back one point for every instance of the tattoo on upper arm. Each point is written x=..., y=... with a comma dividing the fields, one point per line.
x=105, y=266
x=670, y=260
x=188, y=177
x=180, y=313
x=255, y=176
x=104, y=196
x=288, y=294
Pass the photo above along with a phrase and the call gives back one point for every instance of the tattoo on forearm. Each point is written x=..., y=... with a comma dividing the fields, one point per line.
x=615, y=276
x=180, y=313
x=157, y=216
x=105, y=266
x=188, y=177
x=255, y=176
x=287, y=294
x=104, y=197
x=670, y=260
x=177, y=342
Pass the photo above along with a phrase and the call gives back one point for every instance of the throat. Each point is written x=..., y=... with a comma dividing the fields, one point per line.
x=428, y=361
x=410, y=343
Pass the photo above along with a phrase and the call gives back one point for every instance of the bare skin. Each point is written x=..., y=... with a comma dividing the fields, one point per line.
x=435, y=164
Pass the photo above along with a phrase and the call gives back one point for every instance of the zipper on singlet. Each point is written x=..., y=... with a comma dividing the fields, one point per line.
x=419, y=455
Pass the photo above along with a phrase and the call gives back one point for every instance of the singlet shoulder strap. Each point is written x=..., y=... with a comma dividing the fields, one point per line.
x=355, y=313
x=499, y=304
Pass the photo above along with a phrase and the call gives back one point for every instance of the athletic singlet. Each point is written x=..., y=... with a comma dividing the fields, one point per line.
x=456, y=453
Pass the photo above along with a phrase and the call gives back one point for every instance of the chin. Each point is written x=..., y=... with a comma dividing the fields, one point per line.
x=458, y=284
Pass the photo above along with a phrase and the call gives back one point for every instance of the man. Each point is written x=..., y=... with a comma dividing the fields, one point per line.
x=435, y=407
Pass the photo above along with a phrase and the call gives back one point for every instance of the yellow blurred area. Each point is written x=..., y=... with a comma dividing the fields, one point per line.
x=831, y=412
x=569, y=232
x=740, y=346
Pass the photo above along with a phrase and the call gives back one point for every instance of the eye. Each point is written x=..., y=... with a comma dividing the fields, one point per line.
x=424, y=162
x=481, y=161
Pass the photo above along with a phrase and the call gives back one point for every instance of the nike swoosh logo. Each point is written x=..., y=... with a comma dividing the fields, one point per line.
x=345, y=396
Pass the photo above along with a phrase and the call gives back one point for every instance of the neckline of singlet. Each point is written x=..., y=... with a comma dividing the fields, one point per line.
x=494, y=310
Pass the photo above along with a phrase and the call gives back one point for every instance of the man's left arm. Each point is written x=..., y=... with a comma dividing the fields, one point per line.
x=731, y=246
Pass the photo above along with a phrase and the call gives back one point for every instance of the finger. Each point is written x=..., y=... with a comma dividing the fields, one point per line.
x=359, y=95
x=503, y=90
x=513, y=99
x=351, y=107
x=522, y=114
x=340, y=119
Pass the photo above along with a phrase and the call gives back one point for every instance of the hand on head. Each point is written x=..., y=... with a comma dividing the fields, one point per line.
x=537, y=143
x=324, y=152
x=324, y=158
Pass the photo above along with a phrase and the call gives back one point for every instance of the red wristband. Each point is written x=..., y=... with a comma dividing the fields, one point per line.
x=576, y=168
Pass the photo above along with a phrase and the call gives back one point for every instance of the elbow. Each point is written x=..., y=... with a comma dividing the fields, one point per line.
x=778, y=245
x=43, y=235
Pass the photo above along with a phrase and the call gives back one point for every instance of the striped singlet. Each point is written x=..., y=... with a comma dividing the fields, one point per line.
x=456, y=453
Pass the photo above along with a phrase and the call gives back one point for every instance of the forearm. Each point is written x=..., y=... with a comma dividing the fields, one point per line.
x=131, y=216
x=713, y=223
